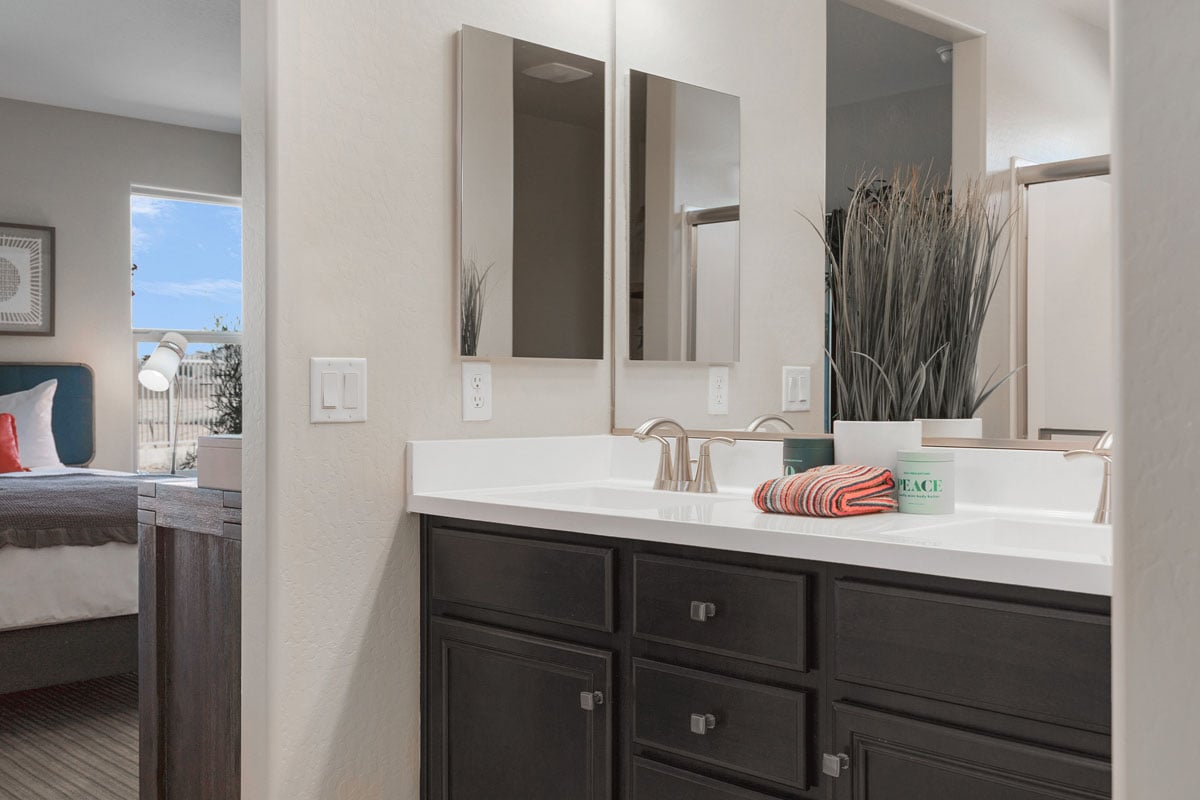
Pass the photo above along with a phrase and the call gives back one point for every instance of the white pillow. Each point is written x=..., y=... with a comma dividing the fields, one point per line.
x=35, y=438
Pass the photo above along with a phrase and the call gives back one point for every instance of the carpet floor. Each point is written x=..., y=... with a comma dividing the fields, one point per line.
x=72, y=742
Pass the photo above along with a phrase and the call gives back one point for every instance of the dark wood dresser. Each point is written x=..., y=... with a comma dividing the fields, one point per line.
x=189, y=641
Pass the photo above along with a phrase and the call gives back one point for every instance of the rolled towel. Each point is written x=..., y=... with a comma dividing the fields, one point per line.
x=837, y=490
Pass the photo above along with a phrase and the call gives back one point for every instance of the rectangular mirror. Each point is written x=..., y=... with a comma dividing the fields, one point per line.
x=684, y=207
x=532, y=200
x=826, y=93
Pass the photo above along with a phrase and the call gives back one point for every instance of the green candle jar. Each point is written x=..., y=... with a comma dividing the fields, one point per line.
x=802, y=454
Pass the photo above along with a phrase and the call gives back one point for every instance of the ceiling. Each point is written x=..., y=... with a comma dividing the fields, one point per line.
x=174, y=61
x=871, y=57
x=579, y=102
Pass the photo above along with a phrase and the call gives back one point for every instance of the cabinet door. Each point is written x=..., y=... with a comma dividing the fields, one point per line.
x=517, y=717
x=898, y=758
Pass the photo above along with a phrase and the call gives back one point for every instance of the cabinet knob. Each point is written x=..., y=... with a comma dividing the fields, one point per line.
x=835, y=765
x=589, y=700
x=703, y=723
x=702, y=612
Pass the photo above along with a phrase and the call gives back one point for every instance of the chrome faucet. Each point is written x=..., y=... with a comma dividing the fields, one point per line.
x=679, y=477
x=1102, y=449
x=758, y=422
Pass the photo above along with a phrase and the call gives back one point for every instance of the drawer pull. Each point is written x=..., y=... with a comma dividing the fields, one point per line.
x=703, y=723
x=703, y=612
x=834, y=765
x=589, y=700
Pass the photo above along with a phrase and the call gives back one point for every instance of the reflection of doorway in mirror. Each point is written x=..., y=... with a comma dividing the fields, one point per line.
x=1071, y=345
x=684, y=211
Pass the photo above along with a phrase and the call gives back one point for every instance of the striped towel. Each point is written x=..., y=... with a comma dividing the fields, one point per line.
x=837, y=490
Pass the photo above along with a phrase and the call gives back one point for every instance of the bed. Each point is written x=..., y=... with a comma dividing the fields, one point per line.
x=68, y=550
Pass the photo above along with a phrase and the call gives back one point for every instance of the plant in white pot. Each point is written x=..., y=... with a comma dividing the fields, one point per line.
x=911, y=279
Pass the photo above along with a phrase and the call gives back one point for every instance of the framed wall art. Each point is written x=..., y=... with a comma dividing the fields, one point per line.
x=26, y=280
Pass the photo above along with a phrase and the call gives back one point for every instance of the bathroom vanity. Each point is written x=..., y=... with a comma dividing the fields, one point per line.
x=587, y=638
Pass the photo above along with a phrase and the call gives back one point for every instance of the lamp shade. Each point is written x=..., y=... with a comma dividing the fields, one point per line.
x=160, y=368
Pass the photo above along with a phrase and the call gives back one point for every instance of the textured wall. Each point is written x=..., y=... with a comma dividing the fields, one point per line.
x=73, y=170
x=360, y=243
x=1157, y=586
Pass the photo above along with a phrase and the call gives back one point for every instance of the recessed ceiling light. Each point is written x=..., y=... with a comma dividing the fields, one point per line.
x=557, y=73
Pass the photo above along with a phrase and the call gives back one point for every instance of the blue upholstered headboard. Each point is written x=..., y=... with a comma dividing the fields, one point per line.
x=74, y=419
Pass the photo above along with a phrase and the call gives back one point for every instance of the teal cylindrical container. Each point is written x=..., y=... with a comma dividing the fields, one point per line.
x=925, y=481
x=801, y=454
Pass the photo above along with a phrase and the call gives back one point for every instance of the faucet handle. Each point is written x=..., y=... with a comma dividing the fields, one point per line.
x=704, y=482
x=715, y=440
x=665, y=478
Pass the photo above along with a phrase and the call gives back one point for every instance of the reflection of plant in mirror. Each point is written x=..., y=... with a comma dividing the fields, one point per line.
x=472, y=299
x=910, y=284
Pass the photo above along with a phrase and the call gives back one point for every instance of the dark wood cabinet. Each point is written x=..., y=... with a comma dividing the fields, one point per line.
x=189, y=641
x=900, y=758
x=733, y=676
x=517, y=716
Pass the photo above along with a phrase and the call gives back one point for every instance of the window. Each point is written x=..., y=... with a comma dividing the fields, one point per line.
x=186, y=273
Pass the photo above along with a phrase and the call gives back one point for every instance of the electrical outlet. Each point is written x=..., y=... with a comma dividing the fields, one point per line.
x=718, y=390
x=476, y=391
x=797, y=383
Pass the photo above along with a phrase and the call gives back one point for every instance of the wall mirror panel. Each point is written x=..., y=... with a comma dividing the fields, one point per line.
x=684, y=185
x=721, y=95
x=532, y=200
x=1064, y=326
x=828, y=92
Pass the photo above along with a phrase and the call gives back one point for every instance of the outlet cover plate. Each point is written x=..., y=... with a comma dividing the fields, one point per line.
x=718, y=390
x=476, y=391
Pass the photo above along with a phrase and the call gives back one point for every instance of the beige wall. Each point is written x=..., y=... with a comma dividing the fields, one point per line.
x=73, y=170
x=360, y=257
x=1157, y=561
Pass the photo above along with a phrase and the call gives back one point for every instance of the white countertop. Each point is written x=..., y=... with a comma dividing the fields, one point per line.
x=568, y=484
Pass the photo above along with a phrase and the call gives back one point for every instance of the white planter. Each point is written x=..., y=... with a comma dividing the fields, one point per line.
x=873, y=443
x=971, y=428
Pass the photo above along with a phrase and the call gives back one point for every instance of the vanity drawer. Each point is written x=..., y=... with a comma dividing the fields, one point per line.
x=565, y=583
x=1027, y=660
x=654, y=781
x=752, y=614
x=758, y=730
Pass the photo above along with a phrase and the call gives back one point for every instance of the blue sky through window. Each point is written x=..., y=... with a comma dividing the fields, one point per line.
x=189, y=258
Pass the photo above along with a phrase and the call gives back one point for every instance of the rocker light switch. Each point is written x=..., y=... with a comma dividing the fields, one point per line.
x=329, y=389
x=337, y=390
x=796, y=383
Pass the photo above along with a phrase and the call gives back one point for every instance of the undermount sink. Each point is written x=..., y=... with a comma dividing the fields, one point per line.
x=1077, y=541
x=615, y=498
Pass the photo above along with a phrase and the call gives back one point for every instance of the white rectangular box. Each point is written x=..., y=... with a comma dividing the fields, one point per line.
x=219, y=462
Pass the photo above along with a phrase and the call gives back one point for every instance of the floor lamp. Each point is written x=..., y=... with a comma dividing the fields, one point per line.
x=159, y=373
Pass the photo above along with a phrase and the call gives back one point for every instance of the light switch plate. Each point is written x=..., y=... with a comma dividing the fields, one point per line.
x=337, y=389
x=718, y=390
x=797, y=388
x=476, y=391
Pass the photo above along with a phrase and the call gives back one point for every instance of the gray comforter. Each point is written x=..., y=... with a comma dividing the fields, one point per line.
x=55, y=510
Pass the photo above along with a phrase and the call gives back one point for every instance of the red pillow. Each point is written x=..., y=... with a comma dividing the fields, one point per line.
x=10, y=455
